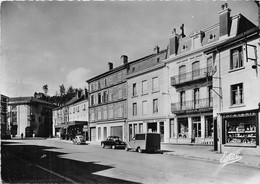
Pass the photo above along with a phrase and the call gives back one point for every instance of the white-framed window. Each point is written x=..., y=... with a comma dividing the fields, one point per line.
x=144, y=87
x=236, y=60
x=195, y=69
x=237, y=95
x=155, y=85
x=134, y=109
x=155, y=105
x=144, y=107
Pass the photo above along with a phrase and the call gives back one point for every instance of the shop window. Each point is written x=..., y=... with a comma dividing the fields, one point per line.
x=183, y=129
x=236, y=60
x=209, y=127
x=134, y=109
x=130, y=132
x=155, y=105
x=241, y=132
x=99, y=133
x=141, y=127
x=237, y=96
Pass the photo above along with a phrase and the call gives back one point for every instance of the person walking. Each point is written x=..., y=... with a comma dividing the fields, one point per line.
x=22, y=135
x=193, y=136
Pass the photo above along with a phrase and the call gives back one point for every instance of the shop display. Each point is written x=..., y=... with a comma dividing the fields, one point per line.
x=241, y=133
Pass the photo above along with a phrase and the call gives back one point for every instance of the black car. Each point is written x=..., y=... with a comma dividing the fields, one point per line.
x=113, y=142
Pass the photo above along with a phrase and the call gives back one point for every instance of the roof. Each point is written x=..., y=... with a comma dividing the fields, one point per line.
x=24, y=100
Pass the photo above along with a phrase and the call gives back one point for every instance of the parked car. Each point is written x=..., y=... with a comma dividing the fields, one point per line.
x=149, y=142
x=113, y=142
x=79, y=139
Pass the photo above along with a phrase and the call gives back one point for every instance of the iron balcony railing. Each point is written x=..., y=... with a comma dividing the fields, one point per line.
x=191, y=76
x=192, y=105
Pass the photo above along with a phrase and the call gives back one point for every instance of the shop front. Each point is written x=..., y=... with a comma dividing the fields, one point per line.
x=154, y=125
x=192, y=129
x=240, y=129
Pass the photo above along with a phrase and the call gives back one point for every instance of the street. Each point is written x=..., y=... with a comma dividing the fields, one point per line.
x=47, y=161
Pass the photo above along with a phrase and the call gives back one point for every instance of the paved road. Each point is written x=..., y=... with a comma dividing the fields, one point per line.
x=47, y=161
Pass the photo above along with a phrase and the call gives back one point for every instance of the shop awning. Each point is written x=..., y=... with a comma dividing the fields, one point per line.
x=77, y=123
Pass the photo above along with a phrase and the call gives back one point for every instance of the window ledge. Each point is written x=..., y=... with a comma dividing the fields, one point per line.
x=155, y=91
x=144, y=94
x=236, y=69
x=237, y=106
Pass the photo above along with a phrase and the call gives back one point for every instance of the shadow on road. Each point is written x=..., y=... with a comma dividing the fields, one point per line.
x=23, y=163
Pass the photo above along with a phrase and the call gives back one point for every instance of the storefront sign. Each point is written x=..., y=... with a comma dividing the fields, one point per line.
x=239, y=115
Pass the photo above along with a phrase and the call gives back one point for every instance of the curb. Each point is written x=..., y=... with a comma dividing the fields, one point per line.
x=188, y=144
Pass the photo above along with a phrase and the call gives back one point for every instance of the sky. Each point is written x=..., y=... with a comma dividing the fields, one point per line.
x=69, y=42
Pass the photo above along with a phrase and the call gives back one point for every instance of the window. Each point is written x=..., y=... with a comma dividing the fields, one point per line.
x=182, y=73
x=134, y=109
x=120, y=94
x=155, y=105
x=140, y=137
x=210, y=96
x=104, y=96
x=236, y=58
x=92, y=87
x=144, y=107
x=105, y=82
x=209, y=65
x=99, y=85
x=155, y=84
x=182, y=100
x=195, y=69
x=78, y=108
x=141, y=127
x=196, y=96
x=144, y=87
x=237, y=96
x=92, y=100
x=134, y=90
x=196, y=127
x=99, y=98
x=84, y=107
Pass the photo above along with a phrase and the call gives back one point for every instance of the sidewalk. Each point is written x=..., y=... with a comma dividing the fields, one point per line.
x=207, y=153
x=193, y=151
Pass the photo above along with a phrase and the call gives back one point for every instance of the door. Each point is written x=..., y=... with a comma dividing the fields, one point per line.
x=162, y=131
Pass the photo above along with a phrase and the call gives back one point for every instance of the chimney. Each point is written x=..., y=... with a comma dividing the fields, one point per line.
x=124, y=59
x=156, y=49
x=110, y=66
x=182, y=31
x=174, y=43
x=224, y=21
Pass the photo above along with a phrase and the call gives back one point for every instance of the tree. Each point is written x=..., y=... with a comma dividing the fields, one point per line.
x=45, y=89
x=62, y=90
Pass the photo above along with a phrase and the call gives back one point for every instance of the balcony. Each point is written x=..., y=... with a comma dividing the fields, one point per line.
x=200, y=105
x=196, y=75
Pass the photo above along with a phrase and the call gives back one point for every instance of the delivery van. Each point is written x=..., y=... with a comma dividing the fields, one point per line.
x=148, y=142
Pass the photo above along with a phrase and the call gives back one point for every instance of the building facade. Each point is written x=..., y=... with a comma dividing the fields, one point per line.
x=30, y=116
x=146, y=103
x=108, y=103
x=72, y=118
x=4, y=114
x=236, y=78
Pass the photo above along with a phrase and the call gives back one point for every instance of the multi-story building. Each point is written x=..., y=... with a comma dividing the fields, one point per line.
x=237, y=83
x=146, y=103
x=4, y=114
x=70, y=119
x=108, y=103
x=29, y=115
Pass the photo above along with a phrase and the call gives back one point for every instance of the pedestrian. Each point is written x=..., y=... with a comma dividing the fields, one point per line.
x=22, y=135
x=193, y=136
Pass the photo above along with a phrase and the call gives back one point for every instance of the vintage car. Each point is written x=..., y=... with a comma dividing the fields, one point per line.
x=79, y=139
x=149, y=142
x=113, y=142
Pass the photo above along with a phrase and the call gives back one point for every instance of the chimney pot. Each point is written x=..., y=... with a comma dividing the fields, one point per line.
x=124, y=59
x=157, y=49
x=110, y=66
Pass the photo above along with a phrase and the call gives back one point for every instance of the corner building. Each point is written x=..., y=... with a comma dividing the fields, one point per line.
x=108, y=103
